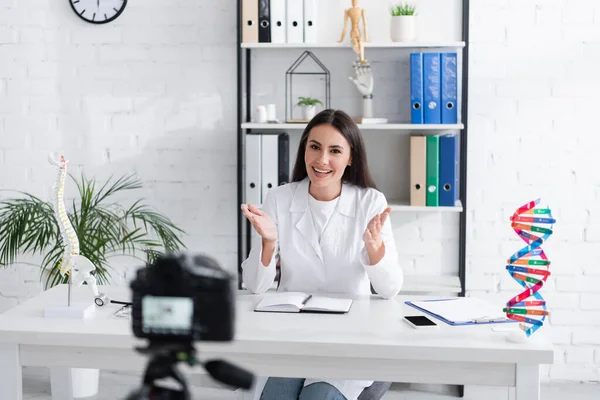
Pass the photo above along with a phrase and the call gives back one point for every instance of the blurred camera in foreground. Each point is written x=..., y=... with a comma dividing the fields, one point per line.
x=177, y=300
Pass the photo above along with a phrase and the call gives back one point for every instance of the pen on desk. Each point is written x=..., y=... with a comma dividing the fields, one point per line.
x=484, y=320
x=307, y=299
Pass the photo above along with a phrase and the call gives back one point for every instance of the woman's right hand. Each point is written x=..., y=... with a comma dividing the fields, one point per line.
x=263, y=224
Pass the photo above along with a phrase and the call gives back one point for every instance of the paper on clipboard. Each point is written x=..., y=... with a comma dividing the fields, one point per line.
x=462, y=310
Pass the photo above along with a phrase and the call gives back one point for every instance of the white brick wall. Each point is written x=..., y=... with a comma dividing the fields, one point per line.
x=154, y=92
x=532, y=105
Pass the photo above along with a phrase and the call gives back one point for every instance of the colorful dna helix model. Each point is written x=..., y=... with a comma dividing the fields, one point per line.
x=530, y=266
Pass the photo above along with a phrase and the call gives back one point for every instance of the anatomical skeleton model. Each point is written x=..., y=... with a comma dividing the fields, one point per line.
x=78, y=267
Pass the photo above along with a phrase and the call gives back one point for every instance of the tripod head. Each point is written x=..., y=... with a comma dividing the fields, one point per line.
x=163, y=364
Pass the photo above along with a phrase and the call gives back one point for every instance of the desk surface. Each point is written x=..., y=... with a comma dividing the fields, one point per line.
x=373, y=328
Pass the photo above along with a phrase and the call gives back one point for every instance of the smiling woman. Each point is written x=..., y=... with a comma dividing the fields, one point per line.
x=330, y=231
x=98, y=11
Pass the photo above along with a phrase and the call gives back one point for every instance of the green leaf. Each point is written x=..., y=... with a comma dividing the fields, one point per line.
x=402, y=9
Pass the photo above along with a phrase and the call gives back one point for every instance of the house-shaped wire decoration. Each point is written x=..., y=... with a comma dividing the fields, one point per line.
x=292, y=95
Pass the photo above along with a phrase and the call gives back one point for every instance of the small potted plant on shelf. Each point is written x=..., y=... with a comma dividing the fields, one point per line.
x=309, y=106
x=403, y=25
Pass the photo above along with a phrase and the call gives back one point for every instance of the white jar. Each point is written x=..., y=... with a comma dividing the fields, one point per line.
x=403, y=28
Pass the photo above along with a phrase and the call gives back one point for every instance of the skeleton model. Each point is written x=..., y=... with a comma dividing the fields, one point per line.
x=78, y=267
x=354, y=14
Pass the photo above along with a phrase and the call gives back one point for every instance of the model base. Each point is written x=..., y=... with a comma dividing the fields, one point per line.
x=517, y=337
x=80, y=310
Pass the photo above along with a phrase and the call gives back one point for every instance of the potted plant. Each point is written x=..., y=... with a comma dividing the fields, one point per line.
x=308, y=105
x=403, y=25
x=104, y=229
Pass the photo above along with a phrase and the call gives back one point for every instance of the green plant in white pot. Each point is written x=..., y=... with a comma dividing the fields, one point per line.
x=403, y=27
x=309, y=107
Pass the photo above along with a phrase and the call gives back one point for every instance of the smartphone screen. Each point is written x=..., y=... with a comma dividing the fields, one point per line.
x=420, y=320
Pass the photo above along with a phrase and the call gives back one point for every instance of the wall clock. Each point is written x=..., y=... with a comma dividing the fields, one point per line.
x=98, y=11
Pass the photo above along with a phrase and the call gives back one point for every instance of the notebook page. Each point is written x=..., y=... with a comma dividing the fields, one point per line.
x=328, y=304
x=463, y=309
x=282, y=300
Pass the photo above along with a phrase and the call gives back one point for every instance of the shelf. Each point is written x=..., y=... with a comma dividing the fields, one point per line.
x=404, y=206
x=417, y=284
x=334, y=45
x=412, y=127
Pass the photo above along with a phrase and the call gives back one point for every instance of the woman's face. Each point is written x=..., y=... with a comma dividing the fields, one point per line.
x=327, y=155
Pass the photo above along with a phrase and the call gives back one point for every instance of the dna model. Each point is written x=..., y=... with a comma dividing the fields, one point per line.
x=530, y=266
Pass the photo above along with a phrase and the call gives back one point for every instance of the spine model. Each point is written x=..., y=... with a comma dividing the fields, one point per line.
x=66, y=229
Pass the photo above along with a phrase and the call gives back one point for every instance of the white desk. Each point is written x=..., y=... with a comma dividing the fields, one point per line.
x=371, y=342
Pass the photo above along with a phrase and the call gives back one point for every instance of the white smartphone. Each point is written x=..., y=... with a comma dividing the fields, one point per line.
x=420, y=322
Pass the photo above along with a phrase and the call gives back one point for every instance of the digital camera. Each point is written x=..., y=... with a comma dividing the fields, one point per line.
x=183, y=298
x=177, y=300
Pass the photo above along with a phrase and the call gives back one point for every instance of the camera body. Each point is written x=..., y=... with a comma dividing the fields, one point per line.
x=183, y=298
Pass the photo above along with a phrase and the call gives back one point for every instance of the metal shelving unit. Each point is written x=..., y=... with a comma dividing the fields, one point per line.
x=244, y=124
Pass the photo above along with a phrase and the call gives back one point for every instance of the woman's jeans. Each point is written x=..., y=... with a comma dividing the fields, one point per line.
x=293, y=389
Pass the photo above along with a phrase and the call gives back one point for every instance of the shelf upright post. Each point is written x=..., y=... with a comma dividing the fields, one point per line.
x=243, y=89
x=462, y=247
x=463, y=152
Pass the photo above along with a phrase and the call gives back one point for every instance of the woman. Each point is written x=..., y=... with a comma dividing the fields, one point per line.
x=330, y=231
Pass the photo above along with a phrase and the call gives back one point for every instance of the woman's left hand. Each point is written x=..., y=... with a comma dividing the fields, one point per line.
x=371, y=236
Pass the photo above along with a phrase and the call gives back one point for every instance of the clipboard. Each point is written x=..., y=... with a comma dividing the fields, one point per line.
x=474, y=321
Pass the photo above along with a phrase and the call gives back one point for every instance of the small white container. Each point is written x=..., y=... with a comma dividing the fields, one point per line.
x=403, y=28
x=308, y=112
x=261, y=114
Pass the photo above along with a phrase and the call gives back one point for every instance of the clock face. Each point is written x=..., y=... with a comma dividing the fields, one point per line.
x=98, y=11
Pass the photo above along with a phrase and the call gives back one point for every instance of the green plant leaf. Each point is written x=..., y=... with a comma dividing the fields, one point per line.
x=402, y=9
x=308, y=101
x=26, y=225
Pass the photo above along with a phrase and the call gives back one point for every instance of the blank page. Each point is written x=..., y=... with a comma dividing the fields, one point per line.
x=282, y=301
x=328, y=304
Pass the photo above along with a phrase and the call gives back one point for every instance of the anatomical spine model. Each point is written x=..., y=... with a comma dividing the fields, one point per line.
x=78, y=267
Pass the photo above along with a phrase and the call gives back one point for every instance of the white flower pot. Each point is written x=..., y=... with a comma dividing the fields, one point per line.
x=85, y=382
x=403, y=28
x=308, y=112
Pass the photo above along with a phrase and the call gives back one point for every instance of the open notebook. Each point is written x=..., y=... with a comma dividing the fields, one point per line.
x=302, y=302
